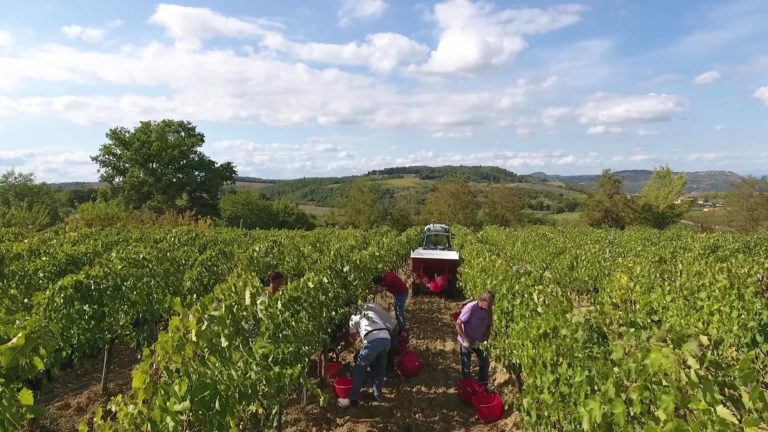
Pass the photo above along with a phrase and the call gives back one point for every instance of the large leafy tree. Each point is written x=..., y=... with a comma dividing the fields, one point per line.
x=502, y=207
x=747, y=205
x=405, y=210
x=609, y=206
x=159, y=166
x=246, y=209
x=452, y=202
x=657, y=204
x=362, y=206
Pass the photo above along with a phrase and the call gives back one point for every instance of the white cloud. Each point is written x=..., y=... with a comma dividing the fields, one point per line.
x=222, y=85
x=474, y=37
x=646, y=132
x=607, y=109
x=642, y=157
x=719, y=128
x=523, y=132
x=381, y=52
x=602, y=129
x=50, y=164
x=85, y=33
x=353, y=10
x=707, y=157
x=461, y=132
x=762, y=94
x=89, y=34
x=189, y=26
x=707, y=78
x=551, y=116
x=5, y=38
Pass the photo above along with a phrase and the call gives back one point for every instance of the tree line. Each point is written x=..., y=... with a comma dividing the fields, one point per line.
x=658, y=205
x=157, y=174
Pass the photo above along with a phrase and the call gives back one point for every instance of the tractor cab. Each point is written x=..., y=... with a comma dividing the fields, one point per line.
x=437, y=237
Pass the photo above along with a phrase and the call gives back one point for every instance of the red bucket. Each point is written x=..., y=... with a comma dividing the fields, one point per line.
x=343, y=385
x=455, y=315
x=331, y=370
x=488, y=406
x=409, y=364
x=468, y=388
x=400, y=350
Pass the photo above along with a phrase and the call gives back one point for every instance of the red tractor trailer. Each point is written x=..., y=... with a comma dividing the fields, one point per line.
x=435, y=264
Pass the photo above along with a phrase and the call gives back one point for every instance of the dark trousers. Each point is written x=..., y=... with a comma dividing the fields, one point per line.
x=466, y=363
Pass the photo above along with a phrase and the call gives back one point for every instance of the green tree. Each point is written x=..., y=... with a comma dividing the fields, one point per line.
x=452, y=202
x=71, y=198
x=609, y=206
x=747, y=205
x=246, y=209
x=503, y=207
x=361, y=205
x=288, y=215
x=25, y=203
x=406, y=210
x=657, y=204
x=159, y=166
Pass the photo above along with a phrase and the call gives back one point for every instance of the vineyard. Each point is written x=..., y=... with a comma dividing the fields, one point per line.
x=634, y=330
x=229, y=354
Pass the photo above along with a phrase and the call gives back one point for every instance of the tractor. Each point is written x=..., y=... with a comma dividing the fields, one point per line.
x=435, y=263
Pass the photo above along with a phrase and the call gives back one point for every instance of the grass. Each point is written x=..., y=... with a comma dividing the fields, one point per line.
x=567, y=219
x=549, y=188
x=404, y=182
x=316, y=210
x=249, y=185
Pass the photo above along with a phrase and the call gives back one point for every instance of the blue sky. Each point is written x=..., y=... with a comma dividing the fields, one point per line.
x=334, y=87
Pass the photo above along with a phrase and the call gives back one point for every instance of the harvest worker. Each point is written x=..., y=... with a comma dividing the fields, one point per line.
x=392, y=326
x=391, y=282
x=374, y=331
x=474, y=326
x=276, y=281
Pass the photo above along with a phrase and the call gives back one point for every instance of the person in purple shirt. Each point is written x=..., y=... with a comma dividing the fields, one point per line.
x=474, y=326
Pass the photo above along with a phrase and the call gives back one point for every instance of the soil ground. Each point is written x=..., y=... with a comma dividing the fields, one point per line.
x=427, y=402
x=75, y=394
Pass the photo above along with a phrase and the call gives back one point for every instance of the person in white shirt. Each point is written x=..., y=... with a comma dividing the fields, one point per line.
x=373, y=324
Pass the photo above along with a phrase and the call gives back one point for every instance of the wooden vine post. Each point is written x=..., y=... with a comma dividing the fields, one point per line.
x=105, y=369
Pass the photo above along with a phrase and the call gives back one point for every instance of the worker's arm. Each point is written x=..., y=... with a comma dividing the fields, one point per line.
x=460, y=331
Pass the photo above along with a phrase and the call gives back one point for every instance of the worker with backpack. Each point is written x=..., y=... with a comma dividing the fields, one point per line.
x=374, y=329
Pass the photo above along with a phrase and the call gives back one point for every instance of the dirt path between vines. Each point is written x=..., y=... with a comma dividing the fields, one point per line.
x=427, y=402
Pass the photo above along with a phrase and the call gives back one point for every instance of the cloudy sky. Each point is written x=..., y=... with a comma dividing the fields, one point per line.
x=326, y=87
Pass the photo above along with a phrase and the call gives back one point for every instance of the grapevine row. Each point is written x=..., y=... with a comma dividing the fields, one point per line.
x=635, y=330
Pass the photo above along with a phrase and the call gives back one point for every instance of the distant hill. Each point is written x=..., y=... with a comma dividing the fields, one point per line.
x=634, y=180
x=477, y=173
x=327, y=191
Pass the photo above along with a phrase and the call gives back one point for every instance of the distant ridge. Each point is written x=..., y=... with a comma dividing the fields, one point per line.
x=634, y=180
